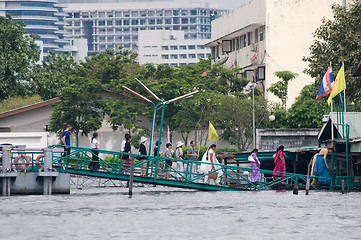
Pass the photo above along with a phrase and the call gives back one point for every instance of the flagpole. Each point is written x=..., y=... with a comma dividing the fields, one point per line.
x=344, y=85
x=330, y=116
x=331, y=122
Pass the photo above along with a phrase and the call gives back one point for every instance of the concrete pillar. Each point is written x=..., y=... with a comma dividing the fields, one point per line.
x=6, y=168
x=48, y=181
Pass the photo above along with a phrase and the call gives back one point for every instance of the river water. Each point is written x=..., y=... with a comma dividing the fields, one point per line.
x=169, y=213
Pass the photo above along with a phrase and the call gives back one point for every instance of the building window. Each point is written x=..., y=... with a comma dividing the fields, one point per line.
x=243, y=41
x=146, y=46
x=182, y=56
x=165, y=56
x=168, y=21
x=261, y=33
x=173, y=47
x=182, y=47
x=191, y=47
x=101, y=23
x=249, y=38
x=184, y=20
x=256, y=35
x=174, y=56
x=191, y=55
x=201, y=55
x=165, y=48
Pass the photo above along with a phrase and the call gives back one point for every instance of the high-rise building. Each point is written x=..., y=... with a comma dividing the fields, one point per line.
x=169, y=47
x=42, y=17
x=110, y=24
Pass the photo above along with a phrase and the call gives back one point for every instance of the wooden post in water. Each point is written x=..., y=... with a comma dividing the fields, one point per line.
x=131, y=177
x=295, y=189
x=343, y=186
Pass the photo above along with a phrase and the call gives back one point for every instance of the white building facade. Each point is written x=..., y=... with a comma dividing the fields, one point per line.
x=169, y=47
x=265, y=36
x=111, y=24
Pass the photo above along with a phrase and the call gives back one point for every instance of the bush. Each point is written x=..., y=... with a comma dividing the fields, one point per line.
x=203, y=150
x=18, y=101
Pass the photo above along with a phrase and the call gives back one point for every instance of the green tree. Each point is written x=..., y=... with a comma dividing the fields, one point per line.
x=305, y=112
x=234, y=117
x=18, y=54
x=54, y=74
x=81, y=105
x=280, y=88
x=108, y=65
x=338, y=40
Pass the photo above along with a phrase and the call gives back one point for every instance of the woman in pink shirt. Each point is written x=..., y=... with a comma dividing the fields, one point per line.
x=280, y=163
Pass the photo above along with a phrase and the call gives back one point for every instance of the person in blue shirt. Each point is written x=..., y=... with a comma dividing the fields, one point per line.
x=66, y=139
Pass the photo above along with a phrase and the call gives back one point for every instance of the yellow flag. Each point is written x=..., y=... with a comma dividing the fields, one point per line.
x=212, y=134
x=339, y=86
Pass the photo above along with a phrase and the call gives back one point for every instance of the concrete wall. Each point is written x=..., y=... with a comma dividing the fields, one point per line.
x=271, y=139
x=289, y=34
x=251, y=12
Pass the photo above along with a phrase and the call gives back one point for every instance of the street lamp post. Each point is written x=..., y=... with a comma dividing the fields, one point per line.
x=155, y=107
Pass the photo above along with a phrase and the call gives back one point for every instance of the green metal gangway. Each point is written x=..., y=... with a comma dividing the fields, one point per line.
x=112, y=166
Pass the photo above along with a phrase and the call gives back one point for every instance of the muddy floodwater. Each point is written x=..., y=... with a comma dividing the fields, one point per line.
x=170, y=213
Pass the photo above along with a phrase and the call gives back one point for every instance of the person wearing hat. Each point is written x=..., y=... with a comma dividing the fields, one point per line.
x=142, y=151
x=320, y=167
x=179, y=164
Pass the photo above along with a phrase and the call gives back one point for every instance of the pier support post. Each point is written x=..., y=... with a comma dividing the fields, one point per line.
x=308, y=185
x=48, y=181
x=343, y=186
x=295, y=189
x=6, y=168
x=131, y=176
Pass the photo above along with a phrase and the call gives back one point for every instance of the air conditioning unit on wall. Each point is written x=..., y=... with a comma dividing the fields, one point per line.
x=254, y=47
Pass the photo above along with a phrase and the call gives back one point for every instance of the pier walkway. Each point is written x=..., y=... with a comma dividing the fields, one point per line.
x=111, y=165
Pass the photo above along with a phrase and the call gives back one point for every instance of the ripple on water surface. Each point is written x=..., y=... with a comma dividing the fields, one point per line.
x=168, y=213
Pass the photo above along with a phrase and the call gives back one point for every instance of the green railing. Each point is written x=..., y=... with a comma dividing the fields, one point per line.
x=157, y=169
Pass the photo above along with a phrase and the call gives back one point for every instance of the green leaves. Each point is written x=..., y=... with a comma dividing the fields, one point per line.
x=280, y=88
x=338, y=41
x=18, y=55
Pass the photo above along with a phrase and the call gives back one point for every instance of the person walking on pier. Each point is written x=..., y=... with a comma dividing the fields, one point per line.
x=142, y=151
x=127, y=149
x=255, y=163
x=124, y=141
x=168, y=163
x=280, y=163
x=193, y=156
x=208, y=160
x=94, y=165
x=320, y=168
x=66, y=140
x=179, y=164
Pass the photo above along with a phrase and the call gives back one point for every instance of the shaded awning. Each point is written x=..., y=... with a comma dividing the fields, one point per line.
x=234, y=34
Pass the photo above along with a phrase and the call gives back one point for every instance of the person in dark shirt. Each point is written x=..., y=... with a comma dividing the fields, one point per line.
x=66, y=140
x=142, y=151
x=126, y=157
